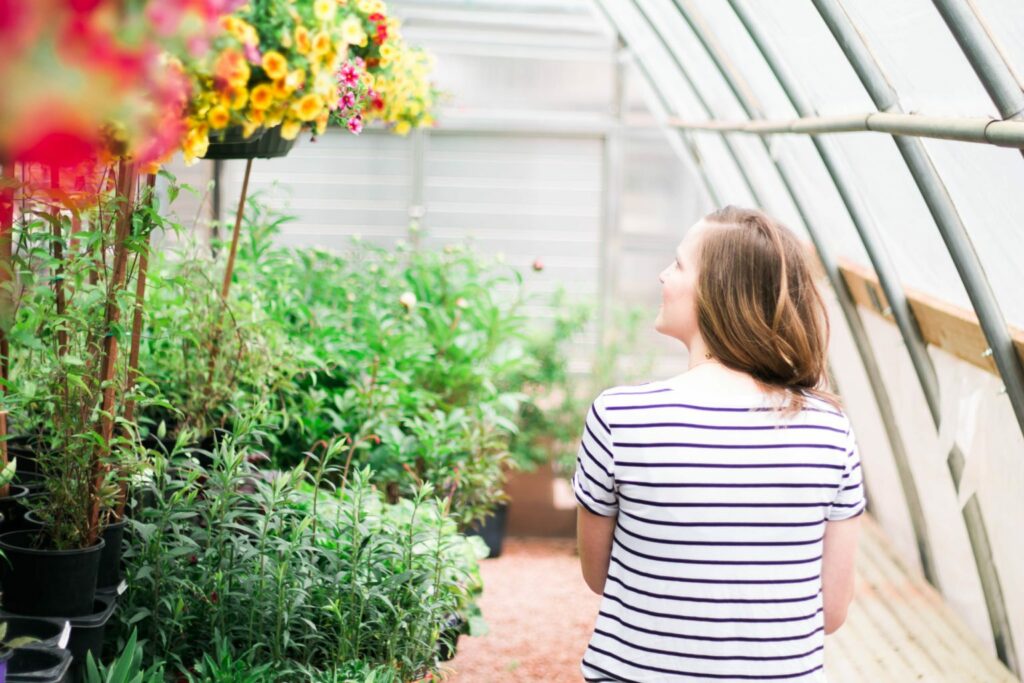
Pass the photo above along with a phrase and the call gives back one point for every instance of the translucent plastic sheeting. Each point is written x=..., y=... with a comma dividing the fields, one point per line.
x=723, y=26
x=985, y=184
x=910, y=236
x=659, y=197
x=820, y=197
x=812, y=54
x=921, y=57
x=981, y=421
x=688, y=50
x=1005, y=23
x=514, y=83
x=882, y=485
x=927, y=453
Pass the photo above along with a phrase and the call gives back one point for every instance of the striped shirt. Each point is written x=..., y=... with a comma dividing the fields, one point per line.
x=720, y=508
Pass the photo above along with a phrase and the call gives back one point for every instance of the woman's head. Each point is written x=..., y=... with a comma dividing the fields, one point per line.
x=742, y=282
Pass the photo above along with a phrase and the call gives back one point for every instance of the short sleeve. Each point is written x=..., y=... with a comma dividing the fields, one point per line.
x=594, y=480
x=850, y=499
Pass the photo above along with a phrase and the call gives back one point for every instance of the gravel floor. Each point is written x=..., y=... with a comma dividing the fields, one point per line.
x=540, y=615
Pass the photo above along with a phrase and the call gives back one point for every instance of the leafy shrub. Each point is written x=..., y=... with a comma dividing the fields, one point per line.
x=290, y=574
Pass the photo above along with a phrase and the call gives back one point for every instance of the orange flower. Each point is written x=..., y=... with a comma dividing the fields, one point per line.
x=302, y=43
x=275, y=65
x=309, y=107
x=218, y=117
x=232, y=69
x=261, y=96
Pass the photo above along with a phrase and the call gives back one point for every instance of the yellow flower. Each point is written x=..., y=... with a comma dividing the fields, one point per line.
x=219, y=117
x=281, y=89
x=387, y=50
x=324, y=85
x=321, y=122
x=352, y=31
x=321, y=43
x=249, y=127
x=309, y=107
x=371, y=6
x=324, y=9
x=261, y=96
x=302, y=42
x=290, y=129
x=275, y=65
x=196, y=143
x=240, y=99
x=295, y=79
x=256, y=116
x=274, y=118
x=403, y=127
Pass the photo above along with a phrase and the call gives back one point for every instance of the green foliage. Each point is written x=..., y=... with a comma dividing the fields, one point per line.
x=412, y=358
x=125, y=668
x=289, y=572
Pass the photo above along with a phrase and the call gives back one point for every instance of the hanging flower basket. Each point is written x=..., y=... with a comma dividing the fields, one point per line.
x=267, y=144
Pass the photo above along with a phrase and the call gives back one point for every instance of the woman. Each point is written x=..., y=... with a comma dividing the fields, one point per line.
x=719, y=509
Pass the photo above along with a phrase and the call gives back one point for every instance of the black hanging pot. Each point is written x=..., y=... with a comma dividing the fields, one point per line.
x=267, y=144
x=46, y=632
x=42, y=582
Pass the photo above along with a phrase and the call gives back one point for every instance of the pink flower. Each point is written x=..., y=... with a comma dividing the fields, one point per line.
x=538, y=265
x=253, y=54
x=349, y=75
x=348, y=100
x=355, y=124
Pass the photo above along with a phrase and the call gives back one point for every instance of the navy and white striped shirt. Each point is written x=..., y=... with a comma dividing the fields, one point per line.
x=721, y=508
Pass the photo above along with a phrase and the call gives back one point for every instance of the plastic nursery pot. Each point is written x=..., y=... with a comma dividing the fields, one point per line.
x=87, y=631
x=42, y=582
x=110, y=557
x=448, y=639
x=47, y=632
x=12, y=509
x=492, y=529
x=36, y=665
x=268, y=146
x=109, y=574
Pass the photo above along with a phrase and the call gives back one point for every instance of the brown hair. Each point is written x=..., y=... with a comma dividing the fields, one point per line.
x=758, y=308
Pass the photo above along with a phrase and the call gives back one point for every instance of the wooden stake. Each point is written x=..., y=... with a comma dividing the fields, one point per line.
x=229, y=270
x=58, y=256
x=126, y=179
x=133, y=354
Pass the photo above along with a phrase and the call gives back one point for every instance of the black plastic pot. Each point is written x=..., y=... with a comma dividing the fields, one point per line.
x=492, y=529
x=37, y=665
x=448, y=640
x=40, y=582
x=109, y=574
x=11, y=508
x=5, y=656
x=270, y=145
x=87, y=631
x=48, y=632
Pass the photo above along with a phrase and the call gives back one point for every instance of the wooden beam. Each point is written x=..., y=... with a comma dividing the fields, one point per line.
x=951, y=328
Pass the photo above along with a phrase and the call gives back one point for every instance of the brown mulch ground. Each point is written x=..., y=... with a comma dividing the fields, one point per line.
x=540, y=614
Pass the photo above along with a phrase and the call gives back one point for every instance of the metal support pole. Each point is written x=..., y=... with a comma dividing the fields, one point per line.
x=612, y=176
x=759, y=198
x=988, y=64
x=990, y=317
x=742, y=93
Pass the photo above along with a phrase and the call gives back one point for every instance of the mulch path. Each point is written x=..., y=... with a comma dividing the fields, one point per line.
x=540, y=614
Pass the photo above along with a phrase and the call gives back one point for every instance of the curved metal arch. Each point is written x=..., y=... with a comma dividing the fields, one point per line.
x=742, y=92
x=954, y=234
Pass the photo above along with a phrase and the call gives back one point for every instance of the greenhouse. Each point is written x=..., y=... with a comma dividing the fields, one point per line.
x=394, y=341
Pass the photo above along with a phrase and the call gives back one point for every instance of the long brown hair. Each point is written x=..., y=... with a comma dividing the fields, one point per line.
x=758, y=308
